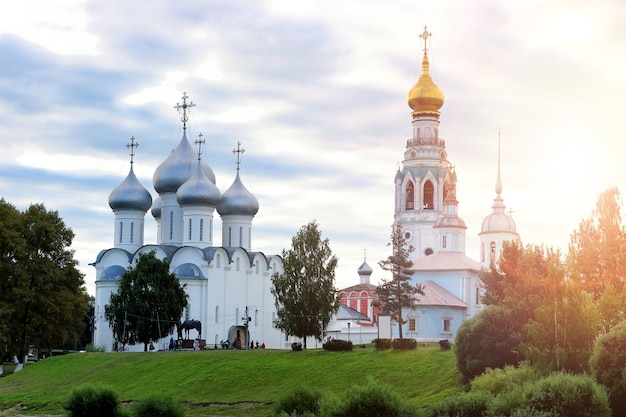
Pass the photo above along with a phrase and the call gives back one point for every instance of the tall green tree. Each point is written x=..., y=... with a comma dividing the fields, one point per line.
x=597, y=249
x=42, y=294
x=148, y=303
x=397, y=293
x=305, y=293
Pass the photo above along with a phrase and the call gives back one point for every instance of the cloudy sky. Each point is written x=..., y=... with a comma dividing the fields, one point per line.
x=316, y=92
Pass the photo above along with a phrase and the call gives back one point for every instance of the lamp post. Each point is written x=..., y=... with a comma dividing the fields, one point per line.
x=349, y=331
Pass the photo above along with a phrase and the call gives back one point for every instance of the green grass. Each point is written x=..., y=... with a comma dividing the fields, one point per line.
x=230, y=383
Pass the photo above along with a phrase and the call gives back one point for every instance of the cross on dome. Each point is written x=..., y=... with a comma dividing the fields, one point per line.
x=184, y=107
x=425, y=35
x=132, y=145
x=199, y=142
x=238, y=151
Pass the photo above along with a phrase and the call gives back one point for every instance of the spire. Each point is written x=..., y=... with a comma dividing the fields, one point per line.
x=132, y=145
x=499, y=179
x=185, y=106
x=239, y=151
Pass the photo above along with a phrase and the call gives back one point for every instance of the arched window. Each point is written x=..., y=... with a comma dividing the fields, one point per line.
x=217, y=314
x=429, y=194
x=409, y=196
x=492, y=251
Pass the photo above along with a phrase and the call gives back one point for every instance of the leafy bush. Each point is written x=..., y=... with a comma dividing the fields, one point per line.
x=445, y=344
x=94, y=348
x=498, y=381
x=558, y=394
x=382, y=343
x=371, y=400
x=92, y=401
x=299, y=402
x=404, y=344
x=490, y=339
x=337, y=345
x=157, y=406
x=608, y=364
x=471, y=404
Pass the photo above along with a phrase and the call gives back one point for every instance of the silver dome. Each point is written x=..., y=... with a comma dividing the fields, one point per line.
x=238, y=200
x=365, y=269
x=130, y=195
x=157, y=205
x=178, y=167
x=198, y=190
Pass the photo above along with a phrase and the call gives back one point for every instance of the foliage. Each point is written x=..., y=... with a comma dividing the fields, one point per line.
x=94, y=348
x=156, y=405
x=490, y=339
x=404, y=344
x=397, y=293
x=299, y=401
x=305, y=294
x=148, y=303
x=608, y=364
x=92, y=401
x=596, y=256
x=507, y=379
x=42, y=294
x=371, y=400
x=338, y=345
x=472, y=404
x=222, y=382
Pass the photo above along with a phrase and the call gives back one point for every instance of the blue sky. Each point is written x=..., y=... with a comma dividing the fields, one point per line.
x=316, y=92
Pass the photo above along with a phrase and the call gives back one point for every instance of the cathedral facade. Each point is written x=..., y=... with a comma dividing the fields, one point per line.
x=228, y=285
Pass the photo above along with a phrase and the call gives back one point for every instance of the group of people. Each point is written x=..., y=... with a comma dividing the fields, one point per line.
x=225, y=344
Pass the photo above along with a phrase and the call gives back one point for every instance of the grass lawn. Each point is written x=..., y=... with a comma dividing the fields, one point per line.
x=229, y=383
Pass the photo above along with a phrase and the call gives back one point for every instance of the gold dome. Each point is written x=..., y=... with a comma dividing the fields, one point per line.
x=425, y=97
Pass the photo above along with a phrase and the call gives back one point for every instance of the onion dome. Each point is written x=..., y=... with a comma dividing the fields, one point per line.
x=178, y=167
x=365, y=269
x=130, y=195
x=198, y=190
x=157, y=205
x=425, y=97
x=238, y=200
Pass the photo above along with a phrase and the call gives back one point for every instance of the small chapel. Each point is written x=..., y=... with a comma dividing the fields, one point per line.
x=229, y=284
x=426, y=209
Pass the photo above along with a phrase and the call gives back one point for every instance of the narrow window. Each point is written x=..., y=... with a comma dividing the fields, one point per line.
x=187, y=309
x=201, y=228
x=429, y=192
x=217, y=261
x=210, y=229
x=492, y=251
x=256, y=267
x=482, y=252
x=171, y=225
x=256, y=318
x=412, y=325
x=240, y=236
x=446, y=325
x=189, y=229
x=409, y=196
x=237, y=264
x=121, y=231
x=477, y=295
x=230, y=236
x=444, y=241
x=217, y=314
x=132, y=231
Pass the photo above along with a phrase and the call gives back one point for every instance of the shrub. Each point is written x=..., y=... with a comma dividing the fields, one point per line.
x=404, y=344
x=471, y=404
x=498, y=381
x=372, y=400
x=608, y=362
x=92, y=401
x=444, y=344
x=157, y=406
x=559, y=394
x=337, y=344
x=296, y=346
x=299, y=402
x=382, y=343
x=94, y=348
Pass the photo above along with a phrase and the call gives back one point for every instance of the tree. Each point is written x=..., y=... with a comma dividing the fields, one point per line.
x=397, y=293
x=490, y=339
x=149, y=302
x=304, y=293
x=597, y=250
x=608, y=365
x=42, y=294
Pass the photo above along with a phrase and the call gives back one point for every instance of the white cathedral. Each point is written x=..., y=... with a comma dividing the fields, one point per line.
x=230, y=282
x=229, y=285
